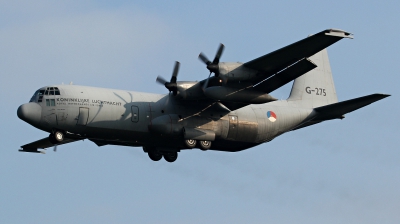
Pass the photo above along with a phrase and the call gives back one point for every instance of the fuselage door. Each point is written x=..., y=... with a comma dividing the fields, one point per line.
x=233, y=127
x=83, y=116
x=135, y=114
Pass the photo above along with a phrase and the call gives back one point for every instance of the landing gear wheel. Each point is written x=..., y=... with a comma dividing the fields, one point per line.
x=170, y=156
x=59, y=136
x=190, y=143
x=56, y=137
x=155, y=156
x=204, y=145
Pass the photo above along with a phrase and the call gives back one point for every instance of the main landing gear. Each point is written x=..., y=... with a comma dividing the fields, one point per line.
x=203, y=145
x=155, y=155
x=171, y=156
x=168, y=156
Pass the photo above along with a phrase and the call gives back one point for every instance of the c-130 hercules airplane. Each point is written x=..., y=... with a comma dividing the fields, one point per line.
x=230, y=111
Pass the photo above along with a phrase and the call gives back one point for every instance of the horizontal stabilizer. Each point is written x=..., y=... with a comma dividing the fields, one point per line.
x=303, y=66
x=337, y=110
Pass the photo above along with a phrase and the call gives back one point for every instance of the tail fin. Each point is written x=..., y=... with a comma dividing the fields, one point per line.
x=316, y=87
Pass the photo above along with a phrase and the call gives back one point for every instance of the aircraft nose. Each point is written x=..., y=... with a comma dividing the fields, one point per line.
x=30, y=113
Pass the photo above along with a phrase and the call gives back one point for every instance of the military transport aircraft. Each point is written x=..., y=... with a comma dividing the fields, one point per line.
x=229, y=111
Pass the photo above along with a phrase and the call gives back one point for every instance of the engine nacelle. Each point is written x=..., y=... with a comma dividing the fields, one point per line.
x=236, y=71
x=166, y=125
x=191, y=90
x=238, y=95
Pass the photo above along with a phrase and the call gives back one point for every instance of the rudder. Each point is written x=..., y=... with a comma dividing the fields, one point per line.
x=315, y=88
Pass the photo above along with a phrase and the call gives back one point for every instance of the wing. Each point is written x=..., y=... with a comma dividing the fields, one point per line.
x=42, y=144
x=276, y=68
x=303, y=66
x=278, y=60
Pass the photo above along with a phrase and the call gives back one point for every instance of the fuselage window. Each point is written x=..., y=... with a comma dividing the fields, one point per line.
x=50, y=102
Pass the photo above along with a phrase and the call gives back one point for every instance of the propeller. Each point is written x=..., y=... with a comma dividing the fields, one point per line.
x=171, y=85
x=213, y=66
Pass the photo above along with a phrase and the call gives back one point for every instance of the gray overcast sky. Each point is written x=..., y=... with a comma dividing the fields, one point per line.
x=336, y=172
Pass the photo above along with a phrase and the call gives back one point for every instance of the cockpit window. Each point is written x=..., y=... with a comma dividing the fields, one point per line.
x=49, y=91
x=33, y=99
x=41, y=93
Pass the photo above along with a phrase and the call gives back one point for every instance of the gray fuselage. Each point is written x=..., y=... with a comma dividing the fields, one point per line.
x=118, y=117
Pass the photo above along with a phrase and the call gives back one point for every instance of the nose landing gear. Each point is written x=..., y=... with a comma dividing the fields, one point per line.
x=56, y=137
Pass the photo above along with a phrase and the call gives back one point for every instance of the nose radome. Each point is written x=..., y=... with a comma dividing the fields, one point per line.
x=30, y=113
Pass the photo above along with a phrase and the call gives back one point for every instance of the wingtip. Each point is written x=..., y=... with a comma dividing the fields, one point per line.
x=338, y=33
x=384, y=94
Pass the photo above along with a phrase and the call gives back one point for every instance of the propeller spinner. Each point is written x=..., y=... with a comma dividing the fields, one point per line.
x=213, y=66
x=171, y=85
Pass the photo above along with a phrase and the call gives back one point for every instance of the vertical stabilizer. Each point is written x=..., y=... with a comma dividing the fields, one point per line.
x=316, y=87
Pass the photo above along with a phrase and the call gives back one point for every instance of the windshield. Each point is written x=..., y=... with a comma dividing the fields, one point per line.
x=33, y=99
x=37, y=96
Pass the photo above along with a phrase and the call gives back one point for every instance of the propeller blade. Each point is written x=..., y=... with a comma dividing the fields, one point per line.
x=206, y=83
x=204, y=59
x=219, y=53
x=161, y=80
x=175, y=72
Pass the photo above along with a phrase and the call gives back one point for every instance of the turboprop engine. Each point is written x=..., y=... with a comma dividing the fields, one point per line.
x=235, y=71
x=237, y=95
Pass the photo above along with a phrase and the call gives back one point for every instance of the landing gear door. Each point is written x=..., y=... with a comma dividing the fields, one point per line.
x=135, y=114
x=233, y=127
x=83, y=116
